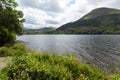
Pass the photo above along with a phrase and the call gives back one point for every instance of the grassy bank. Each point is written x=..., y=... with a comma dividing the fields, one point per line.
x=47, y=66
x=14, y=50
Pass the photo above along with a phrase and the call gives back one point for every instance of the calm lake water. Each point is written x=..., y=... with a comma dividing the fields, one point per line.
x=95, y=49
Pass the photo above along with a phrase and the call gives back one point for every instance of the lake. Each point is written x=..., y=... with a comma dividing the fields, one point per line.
x=103, y=50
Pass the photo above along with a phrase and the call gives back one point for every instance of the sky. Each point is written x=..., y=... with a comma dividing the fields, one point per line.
x=46, y=13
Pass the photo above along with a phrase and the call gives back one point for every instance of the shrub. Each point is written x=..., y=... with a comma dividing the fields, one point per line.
x=14, y=50
x=50, y=67
x=115, y=77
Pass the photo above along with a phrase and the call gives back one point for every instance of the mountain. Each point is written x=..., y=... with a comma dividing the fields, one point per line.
x=98, y=21
x=100, y=12
x=39, y=31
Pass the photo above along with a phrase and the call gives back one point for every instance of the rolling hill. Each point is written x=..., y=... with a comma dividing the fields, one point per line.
x=39, y=31
x=98, y=21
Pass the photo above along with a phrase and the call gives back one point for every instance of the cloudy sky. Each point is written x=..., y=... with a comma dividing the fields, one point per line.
x=45, y=13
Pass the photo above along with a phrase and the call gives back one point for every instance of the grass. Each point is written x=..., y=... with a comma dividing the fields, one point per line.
x=115, y=77
x=14, y=50
x=47, y=66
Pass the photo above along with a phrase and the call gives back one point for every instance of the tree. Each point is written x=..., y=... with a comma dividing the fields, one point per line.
x=11, y=22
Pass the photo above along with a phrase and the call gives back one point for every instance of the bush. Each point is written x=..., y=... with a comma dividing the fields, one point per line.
x=50, y=67
x=14, y=50
x=115, y=77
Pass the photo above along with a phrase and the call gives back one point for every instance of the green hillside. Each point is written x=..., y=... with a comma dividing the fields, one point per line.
x=98, y=21
x=39, y=31
x=100, y=12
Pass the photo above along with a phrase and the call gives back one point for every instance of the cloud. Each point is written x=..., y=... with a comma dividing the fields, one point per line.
x=52, y=22
x=44, y=13
x=45, y=5
x=31, y=20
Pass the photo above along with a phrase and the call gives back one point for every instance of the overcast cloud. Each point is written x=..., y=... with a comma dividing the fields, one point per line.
x=45, y=13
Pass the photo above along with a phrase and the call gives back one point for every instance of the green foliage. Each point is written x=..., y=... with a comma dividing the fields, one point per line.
x=6, y=36
x=11, y=21
x=44, y=66
x=115, y=77
x=14, y=50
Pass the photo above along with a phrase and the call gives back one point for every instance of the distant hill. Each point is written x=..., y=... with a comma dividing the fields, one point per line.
x=98, y=21
x=39, y=31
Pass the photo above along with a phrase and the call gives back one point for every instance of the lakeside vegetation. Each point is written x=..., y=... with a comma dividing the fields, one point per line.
x=47, y=66
x=11, y=22
x=14, y=50
x=44, y=66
